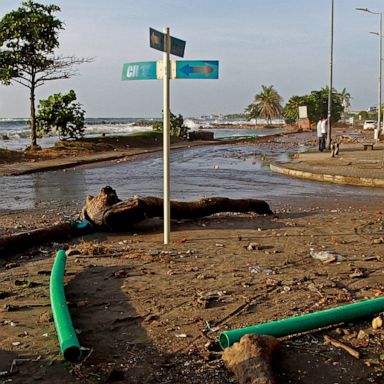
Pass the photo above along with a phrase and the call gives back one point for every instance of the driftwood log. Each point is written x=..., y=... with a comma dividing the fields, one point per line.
x=11, y=244
x=107, y=212
x=251, y=359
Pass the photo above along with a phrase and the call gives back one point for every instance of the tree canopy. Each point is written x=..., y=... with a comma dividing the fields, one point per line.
x=176, y=126
x=317, y=105
x=266, y=105
x=60, y=112
x=28, y=39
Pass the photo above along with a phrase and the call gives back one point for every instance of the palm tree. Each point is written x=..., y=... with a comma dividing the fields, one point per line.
x=267, y=105
x=345, y=98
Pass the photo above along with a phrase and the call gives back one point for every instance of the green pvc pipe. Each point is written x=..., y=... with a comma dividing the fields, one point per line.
x=299, y=324
x=66, y=334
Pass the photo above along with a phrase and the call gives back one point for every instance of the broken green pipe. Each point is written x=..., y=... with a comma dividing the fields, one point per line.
x=299, y=324
x=66, y=334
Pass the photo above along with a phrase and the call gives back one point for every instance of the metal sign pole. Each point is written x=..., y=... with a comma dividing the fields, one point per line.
x=166, y=138
x=151, y=70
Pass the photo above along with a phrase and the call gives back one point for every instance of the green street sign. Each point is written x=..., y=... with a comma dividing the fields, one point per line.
x=197, y=69
x=142, y=70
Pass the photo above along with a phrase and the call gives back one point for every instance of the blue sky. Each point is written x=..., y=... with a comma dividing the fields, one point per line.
x=258, y=42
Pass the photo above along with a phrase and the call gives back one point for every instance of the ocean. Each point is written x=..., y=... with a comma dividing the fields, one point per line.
x=15, y=133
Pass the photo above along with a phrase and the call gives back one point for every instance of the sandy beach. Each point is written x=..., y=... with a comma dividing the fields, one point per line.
x=148, y=313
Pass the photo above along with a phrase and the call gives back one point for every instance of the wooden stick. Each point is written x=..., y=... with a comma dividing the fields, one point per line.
x=339, y=344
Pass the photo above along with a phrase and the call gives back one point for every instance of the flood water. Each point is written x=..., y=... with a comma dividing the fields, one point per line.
x=224, y=170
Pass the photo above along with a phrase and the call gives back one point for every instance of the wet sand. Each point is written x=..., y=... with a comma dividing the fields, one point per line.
x=152, y=313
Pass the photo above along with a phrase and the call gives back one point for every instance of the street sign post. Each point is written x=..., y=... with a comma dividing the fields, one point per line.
x=166, y=140
x=166, y=70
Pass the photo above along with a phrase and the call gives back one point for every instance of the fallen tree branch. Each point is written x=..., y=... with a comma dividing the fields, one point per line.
x=24, y=240
x=107, y=212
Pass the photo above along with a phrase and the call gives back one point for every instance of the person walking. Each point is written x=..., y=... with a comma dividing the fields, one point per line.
x=320, y=137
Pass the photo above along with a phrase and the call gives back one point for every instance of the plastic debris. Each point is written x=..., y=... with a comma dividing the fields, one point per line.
x=377, y=322
x=358, y=272
x=255, y=269
x=253, y=247
x=325, y=256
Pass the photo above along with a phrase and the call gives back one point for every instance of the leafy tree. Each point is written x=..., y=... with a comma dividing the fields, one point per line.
x=291, y=109
x=364, y=115
x=60, y=112
x=176, y=126
x=28, y=39
x=317, y=105
x=267, y=105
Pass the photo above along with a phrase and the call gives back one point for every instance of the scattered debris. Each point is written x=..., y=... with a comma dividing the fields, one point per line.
x=206, y=299
x=72, y=252
x=26, y=283
x=11, y=308
x=339, y=344
x=45, y=317
x=357, y=273
x=377, y=322
x=251, y=359
x=254, y=247
x=11, y=265
x=325, y=256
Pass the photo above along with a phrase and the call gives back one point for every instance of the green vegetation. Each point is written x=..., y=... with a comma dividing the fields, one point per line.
x=266, y=105
x=60, y=112
x=317, y=105
x=291, y=109
x=28, y=39
x=176, y=126
x=235, y=116
x=365, y=115
x=372, y=115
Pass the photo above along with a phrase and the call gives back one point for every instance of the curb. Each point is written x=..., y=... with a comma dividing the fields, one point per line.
x=336, y=179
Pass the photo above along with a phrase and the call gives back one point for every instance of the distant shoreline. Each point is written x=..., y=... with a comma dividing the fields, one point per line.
x=244, y=126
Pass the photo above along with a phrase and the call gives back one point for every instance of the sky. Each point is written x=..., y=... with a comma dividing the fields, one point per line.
x=284, y=43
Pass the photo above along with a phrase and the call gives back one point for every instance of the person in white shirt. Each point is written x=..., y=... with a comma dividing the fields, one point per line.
x=324, y=130
x=320, y=134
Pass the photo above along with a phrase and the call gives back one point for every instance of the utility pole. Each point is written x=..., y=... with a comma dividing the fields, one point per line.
x=377, y=131
x=330, y=85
